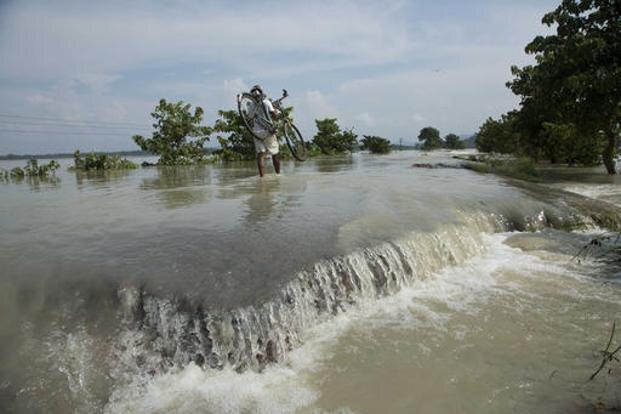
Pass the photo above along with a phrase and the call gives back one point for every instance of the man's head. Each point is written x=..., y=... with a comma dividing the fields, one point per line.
x=256, y=91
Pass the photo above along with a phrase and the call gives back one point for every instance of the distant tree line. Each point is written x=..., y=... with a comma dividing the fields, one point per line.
x=430, y=137
x=570, y=98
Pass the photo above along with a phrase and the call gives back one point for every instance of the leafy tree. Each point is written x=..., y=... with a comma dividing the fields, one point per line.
x=95, y=161
x=174, y=124
x=430, y=137
x=375, y=144
x=331, y=140
x=236, y=142
x=575, y=83
x=452, y=141
x=497, y=136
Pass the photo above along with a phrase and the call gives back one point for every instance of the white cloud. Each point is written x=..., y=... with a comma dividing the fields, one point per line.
x=418, y=118
x=234, y=86
x=319, y=106
x=65, y=42
x=98, y=82
x=387, y=68
x=366, y=119
x=38, y=99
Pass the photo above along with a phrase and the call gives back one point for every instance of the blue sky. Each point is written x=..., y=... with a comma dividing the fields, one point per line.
x=389, y=68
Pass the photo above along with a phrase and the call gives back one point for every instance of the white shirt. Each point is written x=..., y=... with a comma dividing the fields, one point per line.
x=261, y=123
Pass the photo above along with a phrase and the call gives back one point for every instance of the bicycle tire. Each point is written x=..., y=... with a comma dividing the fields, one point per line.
x=247, y=98
x=295, y=141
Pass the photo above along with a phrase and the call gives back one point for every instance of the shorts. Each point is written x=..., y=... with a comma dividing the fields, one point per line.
x=269, y=145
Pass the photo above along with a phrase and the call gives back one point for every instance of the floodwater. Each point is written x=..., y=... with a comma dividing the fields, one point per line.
x=354, y=284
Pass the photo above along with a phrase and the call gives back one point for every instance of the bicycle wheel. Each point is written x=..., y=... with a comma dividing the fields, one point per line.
x=295, y=142
x=247, y=106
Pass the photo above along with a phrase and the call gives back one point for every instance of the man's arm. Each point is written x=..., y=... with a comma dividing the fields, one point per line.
x=270, y=107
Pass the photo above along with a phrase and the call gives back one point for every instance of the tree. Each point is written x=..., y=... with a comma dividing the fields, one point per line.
x=575, y=83
x=236, y=142
x=430, y=137
x=375, y=144
x=174, y=124
x=452, y=141
x=497, y=136
x=331, y=140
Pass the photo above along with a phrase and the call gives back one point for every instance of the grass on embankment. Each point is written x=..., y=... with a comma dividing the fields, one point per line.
x=521, y=168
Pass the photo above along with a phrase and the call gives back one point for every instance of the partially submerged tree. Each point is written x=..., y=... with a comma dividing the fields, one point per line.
x=331, y=139
x=452, y=141
x=94, y=161
x=375, y=144
x=236, y=142
x=430, y=138
x=175, y=125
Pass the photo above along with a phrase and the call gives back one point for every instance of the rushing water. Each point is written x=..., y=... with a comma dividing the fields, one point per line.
x=356, y=284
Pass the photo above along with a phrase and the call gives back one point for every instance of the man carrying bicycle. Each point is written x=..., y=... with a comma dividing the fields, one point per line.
x=264, y=128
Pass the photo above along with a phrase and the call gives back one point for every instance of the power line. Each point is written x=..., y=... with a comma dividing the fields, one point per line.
x=45, y=118
x=67, y=125
x=84, y=133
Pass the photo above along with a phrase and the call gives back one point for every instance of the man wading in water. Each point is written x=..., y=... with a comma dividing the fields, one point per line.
x=263, y=127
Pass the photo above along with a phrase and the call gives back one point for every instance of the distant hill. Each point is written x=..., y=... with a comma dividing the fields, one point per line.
x=469, y=142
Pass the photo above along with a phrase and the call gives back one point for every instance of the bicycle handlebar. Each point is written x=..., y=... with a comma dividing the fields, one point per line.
x=275, y=102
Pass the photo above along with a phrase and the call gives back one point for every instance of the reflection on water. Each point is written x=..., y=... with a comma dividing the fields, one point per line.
x=100, y=178
x=176, y=177
x=179, y=186
x=263, y=200
x=334, y=164
x=38, y=183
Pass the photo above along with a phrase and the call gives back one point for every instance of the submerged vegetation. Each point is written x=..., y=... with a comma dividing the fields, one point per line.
x=95, y=161
x=174, y=125
x=331, y=140
x=33, y=173
x=236, y=142
x=32, y=170
x=375, y=144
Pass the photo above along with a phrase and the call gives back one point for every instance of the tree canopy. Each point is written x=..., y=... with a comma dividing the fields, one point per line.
x=430, y=138
x=236, y=142
x=452, y=141
x=498, y=135
x=571, y=97
x=174, y=124
x=331, y=140
x=375, y=144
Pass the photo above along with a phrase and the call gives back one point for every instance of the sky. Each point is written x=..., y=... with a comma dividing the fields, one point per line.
x=86, y=75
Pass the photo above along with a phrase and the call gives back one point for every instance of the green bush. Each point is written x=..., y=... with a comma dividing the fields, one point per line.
x=95, y=161
x=375, y=144
x=331, y=140
x=31, y=170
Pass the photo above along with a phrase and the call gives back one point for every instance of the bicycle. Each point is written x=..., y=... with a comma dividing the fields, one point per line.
x=247, y=104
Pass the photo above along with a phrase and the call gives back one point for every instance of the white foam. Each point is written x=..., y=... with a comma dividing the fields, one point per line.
x=288, y=387
x=596, y=191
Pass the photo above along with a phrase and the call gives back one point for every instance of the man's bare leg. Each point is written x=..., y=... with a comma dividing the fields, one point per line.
x=261, y=163
x=276, y=162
